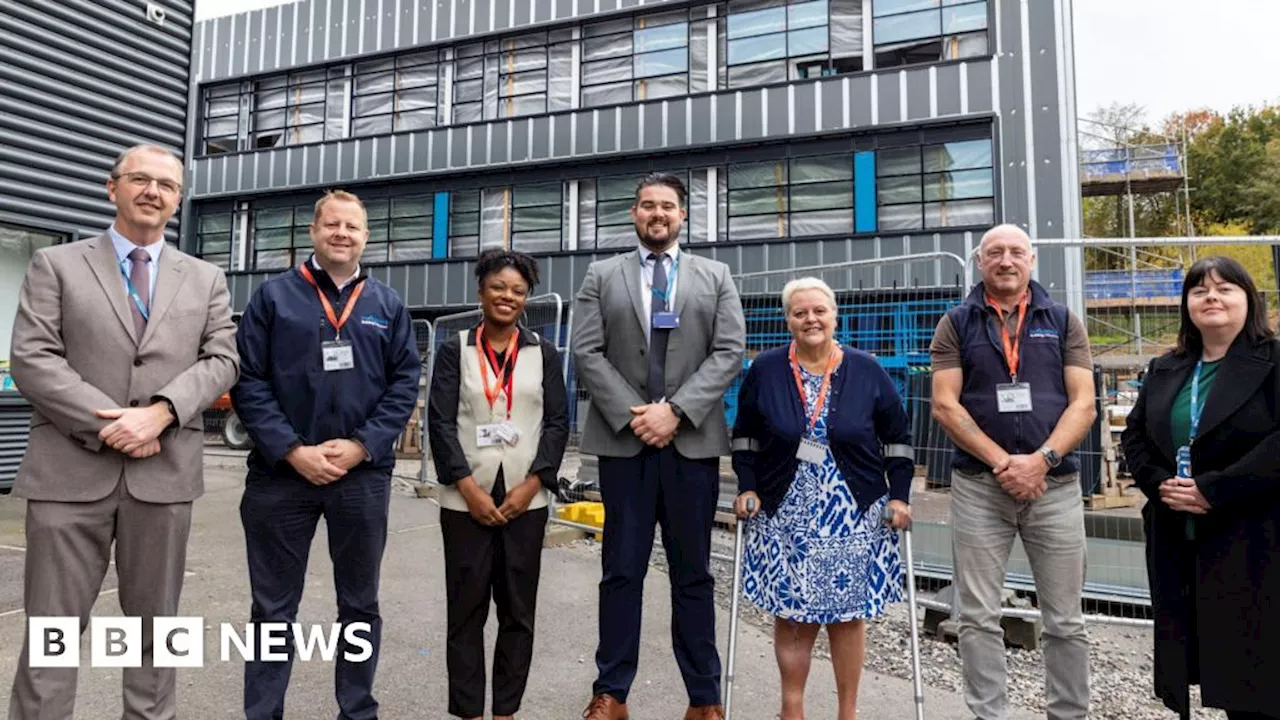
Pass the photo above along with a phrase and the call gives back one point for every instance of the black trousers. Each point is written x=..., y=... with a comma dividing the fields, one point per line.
x=483, y=563
x=679, y=495
x=280, y=515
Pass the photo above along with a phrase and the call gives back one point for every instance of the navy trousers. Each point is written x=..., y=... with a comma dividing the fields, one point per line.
x=679, y=495
x=280, y=515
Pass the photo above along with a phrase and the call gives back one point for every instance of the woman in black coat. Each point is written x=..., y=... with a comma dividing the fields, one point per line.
x=1213, y=525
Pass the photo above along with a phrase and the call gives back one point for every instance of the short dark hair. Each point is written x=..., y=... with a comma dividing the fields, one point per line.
x=1229, y=270
x=665, y=180
x=495, y=259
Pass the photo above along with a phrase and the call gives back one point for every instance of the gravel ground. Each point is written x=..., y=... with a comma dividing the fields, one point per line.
x=1119, y=657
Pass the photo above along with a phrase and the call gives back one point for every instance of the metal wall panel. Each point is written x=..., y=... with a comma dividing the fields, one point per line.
x=83, y=81
x=15, y=426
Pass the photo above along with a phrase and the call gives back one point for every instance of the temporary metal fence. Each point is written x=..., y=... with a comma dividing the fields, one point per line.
x=890, y=308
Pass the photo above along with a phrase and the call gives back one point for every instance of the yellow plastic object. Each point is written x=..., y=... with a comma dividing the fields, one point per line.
x=583, y=513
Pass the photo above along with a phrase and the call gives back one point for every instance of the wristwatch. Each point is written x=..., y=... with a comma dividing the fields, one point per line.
x=1051, y=456
x=677, y=411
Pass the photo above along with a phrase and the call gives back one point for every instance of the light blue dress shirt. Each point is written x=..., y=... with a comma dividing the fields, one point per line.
x=123, y=247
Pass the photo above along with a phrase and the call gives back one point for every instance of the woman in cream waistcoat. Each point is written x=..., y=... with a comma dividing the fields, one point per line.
x=497, y=421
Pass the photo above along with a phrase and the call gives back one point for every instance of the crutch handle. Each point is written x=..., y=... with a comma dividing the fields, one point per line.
x=887, y=515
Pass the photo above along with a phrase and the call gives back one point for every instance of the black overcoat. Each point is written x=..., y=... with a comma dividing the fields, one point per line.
x=1216, y=598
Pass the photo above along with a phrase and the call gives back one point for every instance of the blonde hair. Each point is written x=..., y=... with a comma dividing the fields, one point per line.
x=806, y=283
x=339, y=196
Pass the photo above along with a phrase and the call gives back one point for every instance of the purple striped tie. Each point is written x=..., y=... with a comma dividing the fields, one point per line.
x=140, y=276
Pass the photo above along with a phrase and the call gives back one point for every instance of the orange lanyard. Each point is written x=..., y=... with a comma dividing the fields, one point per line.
x=822, y=392
x=504, y=377
x=334, y=320
x=1011, y=345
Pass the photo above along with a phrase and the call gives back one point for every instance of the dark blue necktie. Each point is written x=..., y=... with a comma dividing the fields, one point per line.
x=658, y=338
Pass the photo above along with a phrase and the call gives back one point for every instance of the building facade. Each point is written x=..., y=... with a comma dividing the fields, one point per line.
x=809, y=132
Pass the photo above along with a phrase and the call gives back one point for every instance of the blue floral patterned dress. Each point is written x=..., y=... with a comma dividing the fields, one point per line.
x=820, y=559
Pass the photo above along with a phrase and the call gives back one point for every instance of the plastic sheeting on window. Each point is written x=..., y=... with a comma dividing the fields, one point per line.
x=698, y=57
x=846, y=28
x=963, y=46
x=822, y=222
x=758, y=227
x=586, y=214
x=495, y=218
x=958, y=213
x=560, y=78
x=698, y=207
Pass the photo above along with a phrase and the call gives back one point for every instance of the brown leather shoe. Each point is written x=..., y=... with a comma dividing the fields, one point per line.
x=704, y=712
x=605, y=707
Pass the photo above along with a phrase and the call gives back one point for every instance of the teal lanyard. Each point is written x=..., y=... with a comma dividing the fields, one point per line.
x=671, y=279
x=1196, y=407
x=133, y=293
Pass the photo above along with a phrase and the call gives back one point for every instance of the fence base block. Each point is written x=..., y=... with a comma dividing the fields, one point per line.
x=559, y=536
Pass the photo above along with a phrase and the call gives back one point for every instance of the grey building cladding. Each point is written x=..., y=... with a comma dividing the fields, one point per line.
x=83, y=80
x=816, y=130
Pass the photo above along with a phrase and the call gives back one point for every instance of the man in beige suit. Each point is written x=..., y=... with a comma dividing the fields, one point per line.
x=120, y=343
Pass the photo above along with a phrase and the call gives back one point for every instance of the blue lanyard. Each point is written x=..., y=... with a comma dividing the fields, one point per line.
x=671, y=279
x=133, y=293
x=1196, y=407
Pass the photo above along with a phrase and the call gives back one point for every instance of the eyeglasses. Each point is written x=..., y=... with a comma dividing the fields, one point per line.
x=142, y=180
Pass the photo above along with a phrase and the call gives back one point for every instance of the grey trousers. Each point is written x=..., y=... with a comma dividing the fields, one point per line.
x=68, y=551
x=984, y=521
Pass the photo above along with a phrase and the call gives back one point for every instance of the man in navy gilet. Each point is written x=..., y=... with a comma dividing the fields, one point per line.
x=1013, y=388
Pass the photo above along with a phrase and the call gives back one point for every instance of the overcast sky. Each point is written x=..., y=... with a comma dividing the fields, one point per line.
x=1166, y=55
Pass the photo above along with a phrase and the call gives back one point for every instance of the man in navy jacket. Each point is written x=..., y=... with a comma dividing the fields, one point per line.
x=329, y=379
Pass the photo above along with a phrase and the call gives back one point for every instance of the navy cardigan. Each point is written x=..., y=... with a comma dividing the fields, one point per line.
x=867, y=429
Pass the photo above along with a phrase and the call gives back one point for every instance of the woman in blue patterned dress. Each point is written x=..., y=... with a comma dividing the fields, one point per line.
x=819, y=428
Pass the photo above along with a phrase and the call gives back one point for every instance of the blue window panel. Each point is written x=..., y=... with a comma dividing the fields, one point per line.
x=440, y=230
x=759, y=22
x=864, y=192
x=806, y=15
x=663, y=37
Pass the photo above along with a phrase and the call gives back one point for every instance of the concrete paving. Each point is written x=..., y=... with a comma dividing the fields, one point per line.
x=412, y=679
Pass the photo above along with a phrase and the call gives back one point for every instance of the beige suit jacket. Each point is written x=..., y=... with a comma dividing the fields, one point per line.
x=74, y=351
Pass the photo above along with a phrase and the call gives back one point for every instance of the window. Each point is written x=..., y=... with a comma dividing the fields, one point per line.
x=525, y=75
x=300, y=108
x=464, y=223
x=925, y=31
x=768, y=41
x=528, y=218
x=215, y=237
x=396, y=94
x=643, y=58
x=281, y=236
x=800, y=197
x=412, y=226
x=935, y=186
x=604, y=218
x=536, y=217
x=223, y=119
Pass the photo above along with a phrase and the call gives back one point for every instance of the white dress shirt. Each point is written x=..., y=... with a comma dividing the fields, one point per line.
x=670, y=259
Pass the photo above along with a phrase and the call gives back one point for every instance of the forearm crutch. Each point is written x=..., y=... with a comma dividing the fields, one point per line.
x=909, y=560
x=739, y=526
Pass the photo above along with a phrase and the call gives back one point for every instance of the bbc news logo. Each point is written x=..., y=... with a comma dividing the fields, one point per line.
x=179, y=642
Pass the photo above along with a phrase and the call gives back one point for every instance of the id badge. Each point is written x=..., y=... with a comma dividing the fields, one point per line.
x=1184, y=462
x=489, y=434
x=337, y=355
x=1014, y=397
x=666, y=321
x=508, y=432
x=811, y=451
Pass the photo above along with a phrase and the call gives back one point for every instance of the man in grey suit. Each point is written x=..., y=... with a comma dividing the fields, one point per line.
x=658, y=338
x=120, y=343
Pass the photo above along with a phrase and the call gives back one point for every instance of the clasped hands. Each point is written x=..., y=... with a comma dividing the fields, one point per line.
x=324, y=463
x=1182, y=494
x=655, y=423
x=1023, y=476
x=135, y=431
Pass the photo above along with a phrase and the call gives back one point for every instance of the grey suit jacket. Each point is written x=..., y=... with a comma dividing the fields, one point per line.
x=75, y=351
x=704, y=354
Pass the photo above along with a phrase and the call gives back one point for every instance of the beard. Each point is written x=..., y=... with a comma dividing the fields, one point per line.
x=658, y=243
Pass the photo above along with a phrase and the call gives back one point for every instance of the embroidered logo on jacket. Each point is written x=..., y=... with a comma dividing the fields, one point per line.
x=1043, y=333
x=375, y=321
